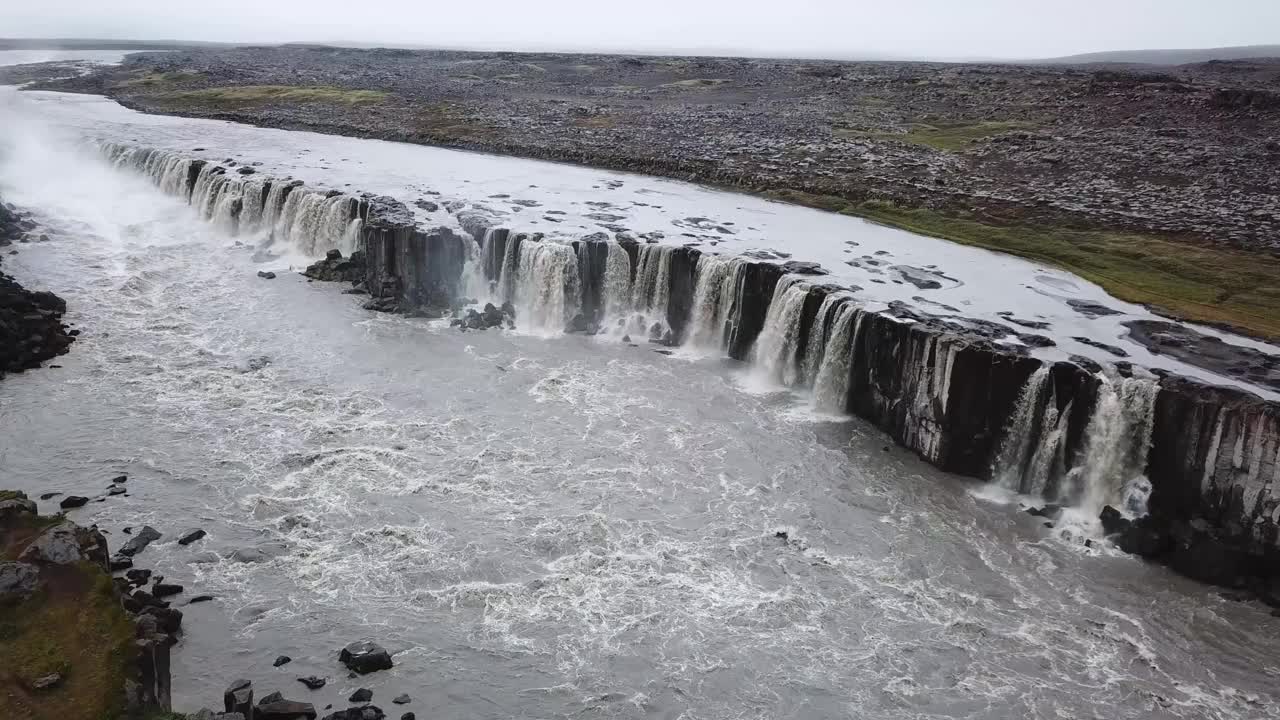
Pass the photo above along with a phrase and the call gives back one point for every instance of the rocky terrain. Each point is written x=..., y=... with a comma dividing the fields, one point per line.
x=31, y=330
x=1109, y=171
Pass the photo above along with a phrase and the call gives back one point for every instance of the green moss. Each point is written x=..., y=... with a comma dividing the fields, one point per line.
x=155, y=79
x=247, y=95
x=947, y=136
x=76, y=627
x=1193, y=281
x=11, y=495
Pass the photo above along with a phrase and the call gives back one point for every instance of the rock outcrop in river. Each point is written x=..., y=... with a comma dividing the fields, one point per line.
x=31, y=330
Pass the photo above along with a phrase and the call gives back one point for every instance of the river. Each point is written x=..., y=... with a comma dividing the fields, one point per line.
x=549, y=527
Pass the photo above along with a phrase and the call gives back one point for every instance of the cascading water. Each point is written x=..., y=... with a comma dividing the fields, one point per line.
x=549, y=290
x=651, y=293
x=818, y=334
x=775, y=350
x=509, y=277
x=1013, y=459
x=831, y=385
x=617, y=282
x=717, y=288
x=1117, y=441
x=474, y=285
x=310, y=221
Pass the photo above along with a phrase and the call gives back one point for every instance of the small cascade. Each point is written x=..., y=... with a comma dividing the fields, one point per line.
x=1010, y=467
x=818, y=335
x=831, y=384
x=1048, y=461
x=713, y=298
x=509, y=277
x=548, y=290
x=474, y=285
x=649, y=295
x=775, y=350
x=492, y=250
x=1117, y=440
x=617, y=282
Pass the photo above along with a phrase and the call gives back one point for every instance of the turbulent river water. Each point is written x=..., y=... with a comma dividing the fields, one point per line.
x=551, y=527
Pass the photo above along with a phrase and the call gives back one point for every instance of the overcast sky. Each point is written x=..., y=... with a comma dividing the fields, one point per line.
x=812, y=28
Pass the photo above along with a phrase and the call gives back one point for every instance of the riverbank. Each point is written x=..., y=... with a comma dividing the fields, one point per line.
x=31, y=331
x=1150, y=183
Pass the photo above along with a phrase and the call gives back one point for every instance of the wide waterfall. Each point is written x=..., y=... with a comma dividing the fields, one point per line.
x=719, y=278
x=309, y=222
x=548, y=292
x=775, y=350
x=831, y=384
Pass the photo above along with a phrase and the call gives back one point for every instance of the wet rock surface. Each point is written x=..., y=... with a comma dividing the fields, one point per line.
x=31, y=330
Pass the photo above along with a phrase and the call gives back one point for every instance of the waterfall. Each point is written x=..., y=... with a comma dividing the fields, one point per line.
x=1117, y=441
x=1009, y=469
x=650, y=294
x=831, y=384
x=818, y=333
x=617, y=282
x=474, y=286
x=509, y=278
x=311, y=221
x=548, y=290
x=775, y=350
x=718, y=278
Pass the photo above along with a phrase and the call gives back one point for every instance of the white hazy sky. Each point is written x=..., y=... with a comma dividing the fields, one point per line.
x=810, y=28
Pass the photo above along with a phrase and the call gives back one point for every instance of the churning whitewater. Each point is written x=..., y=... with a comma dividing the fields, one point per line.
x=576, y=527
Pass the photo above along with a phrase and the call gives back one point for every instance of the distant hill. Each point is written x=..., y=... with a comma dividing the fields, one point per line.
x=1168, y=57
x=100, y=44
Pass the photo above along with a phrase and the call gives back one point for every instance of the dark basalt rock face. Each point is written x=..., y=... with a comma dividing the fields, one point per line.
x=31, y=330
x=365, y=657
x=335, y=268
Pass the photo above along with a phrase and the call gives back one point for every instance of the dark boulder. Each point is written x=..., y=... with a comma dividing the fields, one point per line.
x=18, y=580
x=1113, y=522
x=282, y=660
x=804, y=267
x=266, y=275
x=191, y=536
x=165, y=589
x=271, y=697
x=238, y=698
x=168, y=619
x=67, y=543
x=73, y=501
x=138, y=576
x=361, y=695
x=285, y=710
x=140, y=541
x=365, y=657
x=120, y=562
x=312, y=682
x=402, y=699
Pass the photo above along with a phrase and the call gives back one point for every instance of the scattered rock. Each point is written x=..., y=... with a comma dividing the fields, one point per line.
x=361, y=695
x=165, y=589
x=365, y=657
x=47, y=682
x=238, y=698
x=199, y=599
x=73, y=501
x=285, y=710
x=312, y=682
x=190, y=536
x=67, y=543
x=402, y=699
x=139, y=542
x=266, y=275
x=282, y=660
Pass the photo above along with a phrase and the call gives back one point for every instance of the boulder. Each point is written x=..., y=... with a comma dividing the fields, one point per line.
x=270, y=698
x=282, y=660
x=365, y=657
x=169, y=620
x=67, y=543
x=139, y=542
x=367, y=712
x=238, y=698
x=165, y=589
x=361, y=695
x=138, y=576
x=15, y=503
x=312, y=682
x=119, y=562
x=266, y=275
x=191, y=536
x=285, y=710
x=18, y=580
x=249, y=555
x=402, y=699
x=73, y=501
x=1113, y=522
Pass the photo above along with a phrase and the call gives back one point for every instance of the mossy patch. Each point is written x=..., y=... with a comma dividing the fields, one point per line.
x=155, y=79
x=75, y=627
x=439, y=124
x=11, y=495
x=1197, y=282
x=946, y=136
x=240, y=96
